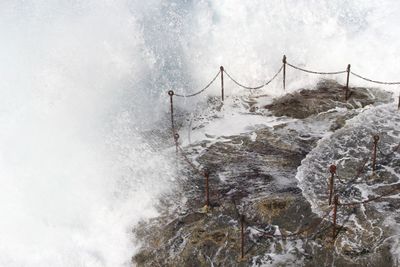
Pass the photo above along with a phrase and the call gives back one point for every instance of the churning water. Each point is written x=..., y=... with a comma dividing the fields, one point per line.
x=81, y=81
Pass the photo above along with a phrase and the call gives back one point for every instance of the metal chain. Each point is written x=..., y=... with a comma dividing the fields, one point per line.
x=257, y=87
x=298, y=233
x=373, y=81
x=343, y=224
x=391, y=153
x=316, y=72
x=202, y=90
x=361, y=168
x=371, y=199
x=359, y=172
x=340, y=180
x=185, y=157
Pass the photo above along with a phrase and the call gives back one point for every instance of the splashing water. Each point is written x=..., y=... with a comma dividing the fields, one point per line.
x=82, y=80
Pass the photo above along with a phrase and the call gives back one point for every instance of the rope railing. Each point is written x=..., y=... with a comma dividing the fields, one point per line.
x=191, y=164
x=316, y=72
x=336, y=203
x=202, y=90
x=221, y=72
x=256, y=87
x=389, y=193
x=298, y=234
x=348, y=185
x=360, y=170
x=396, y=149
x=374, y=81
x=304, y=232
x=314, y=227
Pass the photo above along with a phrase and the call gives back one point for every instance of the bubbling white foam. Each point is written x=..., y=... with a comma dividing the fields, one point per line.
x=75, y=174
x=81, y=81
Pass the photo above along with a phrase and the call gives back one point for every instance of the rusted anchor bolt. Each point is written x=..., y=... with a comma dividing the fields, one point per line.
x=376, y=139
x=171, y=93
x=336, y=203
x=207, y=190
x=332, y=169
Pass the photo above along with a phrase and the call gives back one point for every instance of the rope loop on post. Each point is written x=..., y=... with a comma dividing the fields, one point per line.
x=316, y=72
x=176, y=136
x=373, y=81
x=256, y=87
x=390, y=192
x=202, y=90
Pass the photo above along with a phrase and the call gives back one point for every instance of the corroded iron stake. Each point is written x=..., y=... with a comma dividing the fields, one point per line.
x=376, y=140
x=332, y=170
x=242, y=236
x=176, y=137
x=171, y=95
x=284, y=71
x=222, y=82
x=347, y=83
x=207, y=176
x=335, y=203
x=398, y=106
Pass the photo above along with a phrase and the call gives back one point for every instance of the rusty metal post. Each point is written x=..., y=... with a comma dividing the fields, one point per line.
x=347, y=83
x=335, y=203
x=398, y=106
x=171, y=95
x=222, y=82
x=242, y=236
x=376, y=140
x=207, y=191
x=284, y=72
x=332, y=170
x=176, y=137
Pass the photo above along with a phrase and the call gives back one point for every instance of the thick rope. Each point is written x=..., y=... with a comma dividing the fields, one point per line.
x=296, y=234
x=189, y=162
x=316, y=72
x=373, y=81
x=202, y=90
x=390, y=192
x=257, y=87
x=397, y=148
x=362, y=167
x=359, y=172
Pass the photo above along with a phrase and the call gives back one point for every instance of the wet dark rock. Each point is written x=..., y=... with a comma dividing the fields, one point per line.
x=328, y=95
x=256, y=177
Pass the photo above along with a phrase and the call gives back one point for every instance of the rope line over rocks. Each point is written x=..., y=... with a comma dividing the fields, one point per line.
x=202, y=90
x=373, y=81
x=315, y=228
x=316, y=72
x=221, y=72
x=256, y=87
x=389, y=193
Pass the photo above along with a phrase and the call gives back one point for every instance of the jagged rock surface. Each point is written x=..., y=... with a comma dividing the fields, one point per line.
x=254, y=174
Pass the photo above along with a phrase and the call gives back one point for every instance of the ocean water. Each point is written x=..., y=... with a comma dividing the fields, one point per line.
x=82, y=83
